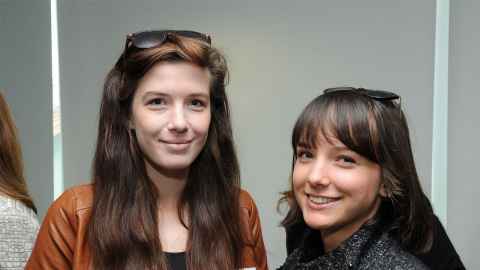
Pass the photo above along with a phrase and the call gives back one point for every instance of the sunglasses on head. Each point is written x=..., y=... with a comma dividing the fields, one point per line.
x=380, y=95
x=151, y=39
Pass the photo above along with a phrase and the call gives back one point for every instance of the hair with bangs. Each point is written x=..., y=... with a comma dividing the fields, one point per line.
x=378, y=131
x=12, y=181
x=123, y=231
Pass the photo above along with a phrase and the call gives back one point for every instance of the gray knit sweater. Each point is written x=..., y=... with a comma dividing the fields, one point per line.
x=18, y=230
x=370, y=248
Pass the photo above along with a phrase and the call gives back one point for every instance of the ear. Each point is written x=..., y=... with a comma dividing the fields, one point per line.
x=130, y=124
x=383, y=191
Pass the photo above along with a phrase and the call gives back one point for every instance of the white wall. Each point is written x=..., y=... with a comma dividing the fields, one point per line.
x=25, y=77
x=281, y=55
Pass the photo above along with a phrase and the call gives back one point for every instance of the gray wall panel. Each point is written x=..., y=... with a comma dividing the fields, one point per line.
x=25, y=77
x=464, y=131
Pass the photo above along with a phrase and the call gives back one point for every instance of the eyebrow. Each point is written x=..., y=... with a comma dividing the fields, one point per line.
x=150, y=93
x=159, y=93
x=342, y=148
x=337, y=147
x=303, y=145
x=200, y=94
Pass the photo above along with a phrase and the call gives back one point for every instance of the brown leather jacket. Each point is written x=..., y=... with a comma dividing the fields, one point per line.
x=62, y=242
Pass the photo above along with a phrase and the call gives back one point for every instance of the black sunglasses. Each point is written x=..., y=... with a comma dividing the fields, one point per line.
x=380, y=95
x=151, y=39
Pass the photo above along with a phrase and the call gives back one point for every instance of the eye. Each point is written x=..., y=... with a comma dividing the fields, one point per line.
x=156, y=102
x=197, y=104
x=346, y=160
x=304, y=155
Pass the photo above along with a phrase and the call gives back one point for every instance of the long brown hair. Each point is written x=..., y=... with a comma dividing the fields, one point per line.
x=123, y=231
x=378, y=131
x=12, y=181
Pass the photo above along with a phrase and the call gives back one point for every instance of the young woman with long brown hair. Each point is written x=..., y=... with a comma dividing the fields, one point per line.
x=18, y=218
x=166, y=188
x=355, y=186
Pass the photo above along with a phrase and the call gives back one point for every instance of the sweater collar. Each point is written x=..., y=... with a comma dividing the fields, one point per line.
x=311, y=255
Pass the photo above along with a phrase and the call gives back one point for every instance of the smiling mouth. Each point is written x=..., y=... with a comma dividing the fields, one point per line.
x=176, y=142
x=321, y=200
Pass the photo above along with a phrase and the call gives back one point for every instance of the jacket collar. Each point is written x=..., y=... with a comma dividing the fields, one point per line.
x=311, y=255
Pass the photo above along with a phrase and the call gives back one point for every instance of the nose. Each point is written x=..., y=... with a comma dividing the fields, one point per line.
x=318, y=174
x=178, y=122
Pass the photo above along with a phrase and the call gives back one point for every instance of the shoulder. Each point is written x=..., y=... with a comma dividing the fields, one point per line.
x=74, y=202
x=254, y=254
x=13, y=212
x=442, y=254
x=249, y=214
x=19, y=227
x=76, y=199
x=62, y=236
x=247, y=205
x=388, y=254
x=246, y=200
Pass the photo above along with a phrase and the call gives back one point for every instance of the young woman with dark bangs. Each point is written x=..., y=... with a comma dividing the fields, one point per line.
x=166, y=188
x=355, y=200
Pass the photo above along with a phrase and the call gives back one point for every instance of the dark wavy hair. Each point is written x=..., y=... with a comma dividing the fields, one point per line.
x=123, y=230
x=378, y=131
x=12, y=180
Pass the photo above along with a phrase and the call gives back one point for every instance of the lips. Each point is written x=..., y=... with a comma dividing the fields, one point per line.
x=320, y=202
x=176, y=146
x=180, y=142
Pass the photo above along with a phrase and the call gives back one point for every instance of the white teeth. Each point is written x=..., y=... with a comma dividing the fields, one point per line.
x=320, y=200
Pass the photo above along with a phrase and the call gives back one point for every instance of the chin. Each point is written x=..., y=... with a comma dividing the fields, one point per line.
x=317, y=222
x=172, y=162
x=177, y=166
x=316, y=225
x=171, y=165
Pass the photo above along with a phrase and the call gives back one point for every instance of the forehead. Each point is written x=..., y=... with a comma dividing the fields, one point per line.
x=320, y=137
x=167, y=76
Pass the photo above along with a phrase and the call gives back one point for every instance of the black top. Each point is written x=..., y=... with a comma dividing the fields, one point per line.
x=176, y=261
x=442, y=255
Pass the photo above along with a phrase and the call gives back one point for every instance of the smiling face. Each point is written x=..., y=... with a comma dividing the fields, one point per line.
x=337, y=189
x=170, y=115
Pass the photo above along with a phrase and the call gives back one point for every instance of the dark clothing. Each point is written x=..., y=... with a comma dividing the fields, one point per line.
x=176, y=261
x=442, y=256
x=370, y=248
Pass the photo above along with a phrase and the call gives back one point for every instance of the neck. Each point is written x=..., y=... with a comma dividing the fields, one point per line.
x=170, y=184
x=333, y=237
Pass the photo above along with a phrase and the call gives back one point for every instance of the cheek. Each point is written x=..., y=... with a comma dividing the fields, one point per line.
x=146, y=125
x=201, y=124
x=298, y=178
x=360, y=184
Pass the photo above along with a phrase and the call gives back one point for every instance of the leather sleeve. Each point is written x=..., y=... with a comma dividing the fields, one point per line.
x=255, y=228
x=55, y=242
